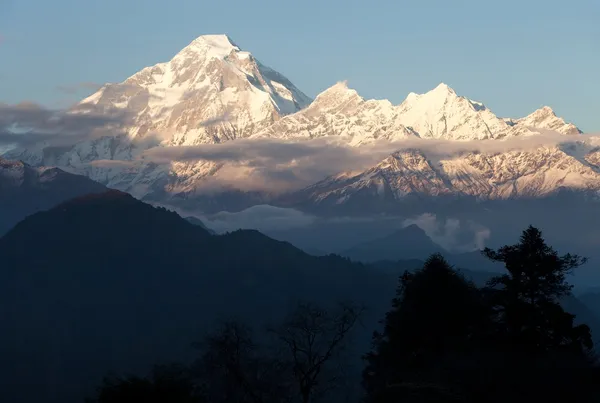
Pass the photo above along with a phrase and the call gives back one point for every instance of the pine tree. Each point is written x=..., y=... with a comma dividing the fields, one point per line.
x=527, y=299
x=435, y=314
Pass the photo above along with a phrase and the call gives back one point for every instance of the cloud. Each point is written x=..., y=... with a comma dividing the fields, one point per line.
x=280, y=165
x=27, y=125
x=262, y=218
x=78, y=87
x=333, y=151
x=261, y=164
x=274, y=163
x=436, y=148
x=450, y=233
x=215, y=121
x=112, y=163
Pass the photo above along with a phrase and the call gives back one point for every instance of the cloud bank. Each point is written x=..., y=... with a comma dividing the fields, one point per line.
x=72, y=89
x=451, y=234
x=28, y=125
x=112, y=163
x=279, y=165
x=263, y=218
x=260, y=164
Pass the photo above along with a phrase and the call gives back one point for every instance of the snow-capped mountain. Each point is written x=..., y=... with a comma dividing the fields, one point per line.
x=442, y=114
x=485, y=176
x=545, y=118
x=210, y=92
x=340, y=111
x=437, y=114
x=213, y=92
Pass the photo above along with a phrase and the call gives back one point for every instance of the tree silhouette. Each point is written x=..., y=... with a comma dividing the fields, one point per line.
x=526, y=300
x=234, y=368
x=435, y=314
x=313, y=339
x=298, y=363
x=539, y=344
x=166, y=384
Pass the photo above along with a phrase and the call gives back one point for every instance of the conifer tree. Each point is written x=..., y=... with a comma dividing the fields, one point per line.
x=435, y=314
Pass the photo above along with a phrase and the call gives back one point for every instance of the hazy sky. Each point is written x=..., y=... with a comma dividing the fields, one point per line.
x=514, y=55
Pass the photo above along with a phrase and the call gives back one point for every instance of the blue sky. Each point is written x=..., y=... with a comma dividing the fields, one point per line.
x=514, y=55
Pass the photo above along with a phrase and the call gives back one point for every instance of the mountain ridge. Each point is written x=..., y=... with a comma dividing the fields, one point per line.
x=213, y=92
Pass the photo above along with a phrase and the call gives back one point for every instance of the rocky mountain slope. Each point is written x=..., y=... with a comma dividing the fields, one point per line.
x=510, y=175
x=212, y=92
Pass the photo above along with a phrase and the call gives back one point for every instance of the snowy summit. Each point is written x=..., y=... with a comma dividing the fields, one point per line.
x=212, y=92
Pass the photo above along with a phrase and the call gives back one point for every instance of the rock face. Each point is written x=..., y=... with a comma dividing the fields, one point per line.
x=213, y=92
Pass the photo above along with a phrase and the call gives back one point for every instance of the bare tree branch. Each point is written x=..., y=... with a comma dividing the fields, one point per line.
x=313, y=337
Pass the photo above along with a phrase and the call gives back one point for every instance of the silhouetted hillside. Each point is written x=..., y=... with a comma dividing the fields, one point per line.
x=107, y=283
x=110, y=283
x=198, y=222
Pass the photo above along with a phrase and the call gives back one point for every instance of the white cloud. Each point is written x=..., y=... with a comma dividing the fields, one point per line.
x=28, y=124
x=451, y=234
x=262, y=218
x=112, y=163
x=280, y=165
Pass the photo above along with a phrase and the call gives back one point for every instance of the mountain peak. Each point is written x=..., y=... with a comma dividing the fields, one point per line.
x=339, y=88
x=217, y=41
x=441, y=113
x=219, y=46
x=443, y=88
x=336, y=95
x=413, y=229
x=546, y=118
x=188, y=97
x=440, y=95
x=545, y=110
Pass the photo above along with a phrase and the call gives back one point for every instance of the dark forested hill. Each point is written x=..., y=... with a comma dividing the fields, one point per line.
x=107, y=283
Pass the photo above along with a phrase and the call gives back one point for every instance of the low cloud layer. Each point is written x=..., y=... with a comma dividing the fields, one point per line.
x=264, y=218
x=248, y=164
x=28, y=125
x=277, y=165
x=452, y=234
x=112, y=164
x=334, y=150
x=72, y=89
x=270, y=163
